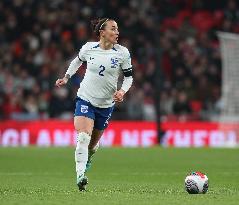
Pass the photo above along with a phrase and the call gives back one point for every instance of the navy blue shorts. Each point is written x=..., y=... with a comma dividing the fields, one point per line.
x=101, y=116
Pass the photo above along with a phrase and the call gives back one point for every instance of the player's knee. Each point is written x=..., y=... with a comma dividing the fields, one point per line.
x=83, y=124
x=81, y=129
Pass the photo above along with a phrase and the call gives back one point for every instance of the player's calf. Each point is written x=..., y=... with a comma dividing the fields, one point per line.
x=81, y=153
x=91, y=153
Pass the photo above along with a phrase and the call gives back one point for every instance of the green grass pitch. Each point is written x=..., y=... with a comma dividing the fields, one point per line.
x=118, y=176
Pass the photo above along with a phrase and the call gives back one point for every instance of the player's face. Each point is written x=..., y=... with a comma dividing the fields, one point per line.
x=111, y=32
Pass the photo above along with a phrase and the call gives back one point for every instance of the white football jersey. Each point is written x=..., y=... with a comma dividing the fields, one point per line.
x=102, y=73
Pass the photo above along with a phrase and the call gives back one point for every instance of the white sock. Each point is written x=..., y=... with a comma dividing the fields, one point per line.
x=81, y=152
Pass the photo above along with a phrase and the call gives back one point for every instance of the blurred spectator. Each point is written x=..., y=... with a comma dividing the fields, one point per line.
x=231, y=12
x=61, y=105
x=135, y=105
x=181, y=105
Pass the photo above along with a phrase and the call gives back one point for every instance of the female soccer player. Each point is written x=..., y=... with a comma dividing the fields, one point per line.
x=98, y=90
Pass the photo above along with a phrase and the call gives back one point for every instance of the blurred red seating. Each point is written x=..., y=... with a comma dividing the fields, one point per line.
x=196, y=106
x=202, y=20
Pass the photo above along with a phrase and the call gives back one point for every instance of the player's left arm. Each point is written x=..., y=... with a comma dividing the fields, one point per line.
x=128, y=78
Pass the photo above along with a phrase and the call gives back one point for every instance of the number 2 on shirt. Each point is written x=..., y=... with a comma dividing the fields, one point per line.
x=102, y=70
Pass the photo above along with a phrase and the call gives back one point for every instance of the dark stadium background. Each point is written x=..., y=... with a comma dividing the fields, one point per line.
x=174, y=48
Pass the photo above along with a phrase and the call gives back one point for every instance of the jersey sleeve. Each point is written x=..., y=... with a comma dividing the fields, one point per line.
x=82, y=53
x=126, y=65
x=127, y=60
x=73, y=67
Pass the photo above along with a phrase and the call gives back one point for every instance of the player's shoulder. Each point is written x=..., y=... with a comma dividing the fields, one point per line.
x=121, y=48
x=90, y=45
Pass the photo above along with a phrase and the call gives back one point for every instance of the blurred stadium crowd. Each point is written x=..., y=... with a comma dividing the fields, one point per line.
x=173, y=39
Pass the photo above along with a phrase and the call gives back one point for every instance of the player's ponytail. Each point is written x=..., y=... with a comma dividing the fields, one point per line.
x=99, y=24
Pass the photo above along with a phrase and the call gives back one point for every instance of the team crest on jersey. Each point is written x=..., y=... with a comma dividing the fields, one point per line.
x=84, y=108
x=114, y=62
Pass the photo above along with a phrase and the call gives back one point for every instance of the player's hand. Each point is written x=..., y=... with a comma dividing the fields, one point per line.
x=119, y=95
x=61, y=82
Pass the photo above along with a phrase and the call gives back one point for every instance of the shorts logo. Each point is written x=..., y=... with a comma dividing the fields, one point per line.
x=84, y=108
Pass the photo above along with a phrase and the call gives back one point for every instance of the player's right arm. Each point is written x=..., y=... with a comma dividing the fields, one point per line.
x=62, y=81
x=73, y=67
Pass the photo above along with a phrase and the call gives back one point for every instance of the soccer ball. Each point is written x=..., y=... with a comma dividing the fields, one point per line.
x=196, y=183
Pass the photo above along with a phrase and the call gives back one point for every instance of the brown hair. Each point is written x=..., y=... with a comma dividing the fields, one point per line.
x=99, y=24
